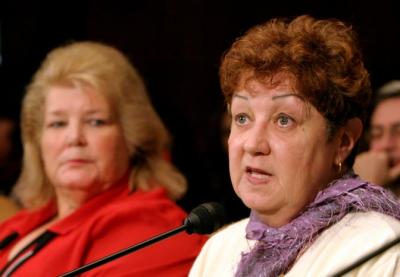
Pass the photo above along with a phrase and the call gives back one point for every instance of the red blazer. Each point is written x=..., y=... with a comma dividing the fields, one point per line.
x=109, y=222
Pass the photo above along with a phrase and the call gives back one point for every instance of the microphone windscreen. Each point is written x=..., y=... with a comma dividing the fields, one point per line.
x=205, y=219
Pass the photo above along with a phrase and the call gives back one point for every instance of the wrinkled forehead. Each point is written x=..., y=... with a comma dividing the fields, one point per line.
x=280, y=89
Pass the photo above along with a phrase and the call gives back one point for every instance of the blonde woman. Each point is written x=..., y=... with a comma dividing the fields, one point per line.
x=94, y=180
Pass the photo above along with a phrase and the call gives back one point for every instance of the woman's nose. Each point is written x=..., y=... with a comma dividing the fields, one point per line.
x=75, y=135
x=257, y=142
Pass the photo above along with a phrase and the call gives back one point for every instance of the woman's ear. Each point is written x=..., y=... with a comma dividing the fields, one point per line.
x=348, y=137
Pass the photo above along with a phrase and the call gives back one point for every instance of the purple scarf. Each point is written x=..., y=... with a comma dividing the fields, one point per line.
x=277, y=248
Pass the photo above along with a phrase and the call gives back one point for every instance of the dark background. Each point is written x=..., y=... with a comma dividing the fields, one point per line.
x=176, y=46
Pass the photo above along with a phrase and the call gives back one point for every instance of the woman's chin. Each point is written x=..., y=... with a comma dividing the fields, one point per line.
x=255, y=204
x=255, y=199
x=77, y=183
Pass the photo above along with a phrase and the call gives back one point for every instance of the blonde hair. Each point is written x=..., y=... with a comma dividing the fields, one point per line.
x=108, y=71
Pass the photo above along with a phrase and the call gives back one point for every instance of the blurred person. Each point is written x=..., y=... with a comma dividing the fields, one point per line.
x=297, y=91
x=381, y=163
x=94, y=180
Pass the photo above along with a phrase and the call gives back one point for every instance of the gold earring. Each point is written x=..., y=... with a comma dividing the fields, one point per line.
x=340, y=167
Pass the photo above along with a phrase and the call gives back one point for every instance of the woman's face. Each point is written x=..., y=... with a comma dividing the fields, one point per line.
x=279, y=155
x=82, y=144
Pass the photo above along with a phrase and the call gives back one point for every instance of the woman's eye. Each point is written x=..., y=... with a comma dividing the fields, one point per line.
x=241, y=119
x=284, y=120
x=56, y=124
x=97, y=122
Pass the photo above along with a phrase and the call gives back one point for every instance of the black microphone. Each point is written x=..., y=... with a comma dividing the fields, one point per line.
x=204, y=219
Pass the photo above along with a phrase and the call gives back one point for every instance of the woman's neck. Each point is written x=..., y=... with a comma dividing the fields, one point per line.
x=69, y=201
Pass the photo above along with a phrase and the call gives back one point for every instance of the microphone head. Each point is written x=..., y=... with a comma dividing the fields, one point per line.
x=205, y=219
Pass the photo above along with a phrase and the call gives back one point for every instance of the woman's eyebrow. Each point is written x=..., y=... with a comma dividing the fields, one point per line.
x=287, y=95
x=240, y=96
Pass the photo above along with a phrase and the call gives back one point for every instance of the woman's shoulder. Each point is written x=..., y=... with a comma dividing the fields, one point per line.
x=26, y=219
x=146, y=207
x=235, y=228
x=369, y=223
x=222, y=252
x=344, y=243
x=230, y=236
x=154, y=199
x=13, y=222
x=366, y=230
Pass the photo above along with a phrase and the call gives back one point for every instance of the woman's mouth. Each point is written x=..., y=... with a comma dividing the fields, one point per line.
x=77, y=162
x=257, y=176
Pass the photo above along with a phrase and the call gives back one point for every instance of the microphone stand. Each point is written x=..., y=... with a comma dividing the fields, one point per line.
x=124, y=251
x=203, y=219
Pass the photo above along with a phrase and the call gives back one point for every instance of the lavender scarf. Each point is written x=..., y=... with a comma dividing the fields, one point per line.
x=277, y=248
